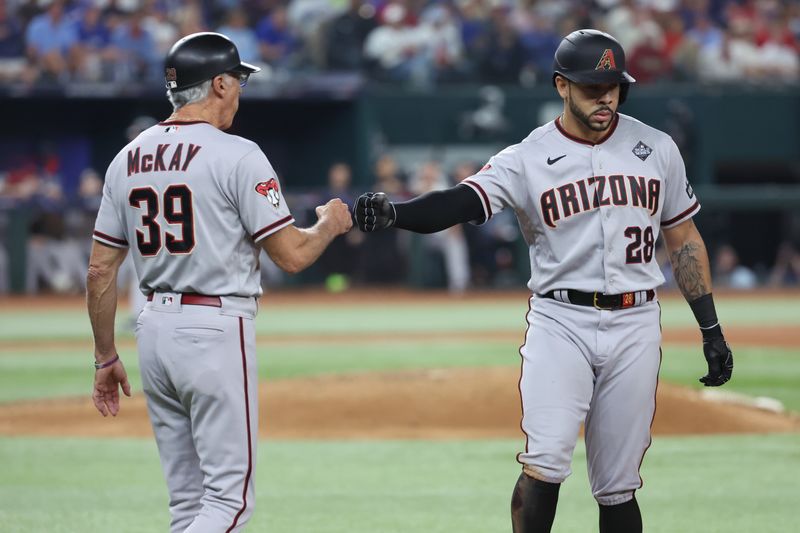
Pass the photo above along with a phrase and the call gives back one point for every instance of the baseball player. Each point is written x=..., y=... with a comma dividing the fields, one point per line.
x=195, y=205
x=591, y=191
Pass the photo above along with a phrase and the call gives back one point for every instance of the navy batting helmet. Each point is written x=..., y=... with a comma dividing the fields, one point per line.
x=201, y=56
x=591, y=56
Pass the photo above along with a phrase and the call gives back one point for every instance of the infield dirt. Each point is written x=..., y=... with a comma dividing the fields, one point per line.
x=458, y=403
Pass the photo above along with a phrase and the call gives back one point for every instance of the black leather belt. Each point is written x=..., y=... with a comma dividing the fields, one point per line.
x=599, y=300
x=189, y=298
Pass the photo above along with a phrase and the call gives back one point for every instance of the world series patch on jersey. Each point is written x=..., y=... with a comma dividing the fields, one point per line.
x=590, y=212
x=177, y=193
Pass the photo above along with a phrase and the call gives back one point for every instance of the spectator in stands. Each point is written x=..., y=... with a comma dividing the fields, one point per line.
x=680, y=50
x=12, y=46
x=391, y=262
x=389, y=177
x=443, y=46
x=21, y=181
x=93, y=57
x=79, y=217
x=480, y=244
x=504, y=55
x=705, y=33
x=778, y=53
x=244, y=36
x=309, y=21
x=396, y=50
x=346, y=34
x=729, y=272
x=190, y=17
x=540, y=41
x=136, y=51
x=451, y=243
x=786, y=270
x=5, y=273
x=491, y=245
x=734, y=58
x=339, y=260
x=632, y=24
x=158, y=24
x=50, y=264
x=649, y=61
x=792, y=15
x=276, y=40
x=50, y=39
x=474, y=15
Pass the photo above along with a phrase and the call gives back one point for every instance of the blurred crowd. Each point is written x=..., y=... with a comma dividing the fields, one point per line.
x=414, y=42
x=59, y=220
x=419, y=43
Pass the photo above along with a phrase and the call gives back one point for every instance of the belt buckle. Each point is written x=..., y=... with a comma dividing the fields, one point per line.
x=596, y=305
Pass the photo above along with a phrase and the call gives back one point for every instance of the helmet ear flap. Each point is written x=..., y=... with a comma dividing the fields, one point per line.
x=623, y=92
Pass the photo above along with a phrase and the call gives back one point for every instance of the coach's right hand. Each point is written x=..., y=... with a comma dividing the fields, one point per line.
x=335, y=215
x=373, y=212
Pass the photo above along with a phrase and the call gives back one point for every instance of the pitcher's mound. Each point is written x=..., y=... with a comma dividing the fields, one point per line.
x=421, y=404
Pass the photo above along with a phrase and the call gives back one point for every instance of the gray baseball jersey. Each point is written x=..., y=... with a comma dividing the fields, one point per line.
x=193, y=201
x=591, y=214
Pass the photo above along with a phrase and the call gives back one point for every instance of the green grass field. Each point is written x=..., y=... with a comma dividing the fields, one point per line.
x=722, y=483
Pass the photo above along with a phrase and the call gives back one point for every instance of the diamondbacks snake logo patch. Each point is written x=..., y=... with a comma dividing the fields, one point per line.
x=269, y=189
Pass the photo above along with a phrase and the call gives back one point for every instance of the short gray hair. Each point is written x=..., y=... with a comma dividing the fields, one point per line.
x=178, y=99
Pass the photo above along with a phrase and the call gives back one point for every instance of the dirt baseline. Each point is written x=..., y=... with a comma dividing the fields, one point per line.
x=430, y=404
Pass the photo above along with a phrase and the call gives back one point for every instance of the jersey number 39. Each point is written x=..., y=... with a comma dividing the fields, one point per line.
x=178, y=210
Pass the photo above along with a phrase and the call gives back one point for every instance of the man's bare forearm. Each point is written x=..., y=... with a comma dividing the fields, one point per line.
x=101, y=301
x=101, y=297
x=690, y=266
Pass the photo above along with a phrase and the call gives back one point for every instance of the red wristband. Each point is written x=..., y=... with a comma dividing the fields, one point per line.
x=100, y=366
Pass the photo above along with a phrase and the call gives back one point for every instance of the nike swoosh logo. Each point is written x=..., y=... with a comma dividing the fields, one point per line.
x=551, y=161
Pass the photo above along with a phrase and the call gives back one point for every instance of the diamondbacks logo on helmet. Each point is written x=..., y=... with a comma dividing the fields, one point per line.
x=607, y=61
x=269, y=189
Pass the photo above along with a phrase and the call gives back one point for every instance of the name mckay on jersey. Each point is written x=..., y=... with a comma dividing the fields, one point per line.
x=178, y=160
x=592, y=193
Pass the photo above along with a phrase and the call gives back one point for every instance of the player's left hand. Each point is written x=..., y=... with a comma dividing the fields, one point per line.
x=106, y=388
x=720, y=362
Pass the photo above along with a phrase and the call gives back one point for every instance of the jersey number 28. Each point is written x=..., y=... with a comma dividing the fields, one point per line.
x=635, y=252
x=177, y=211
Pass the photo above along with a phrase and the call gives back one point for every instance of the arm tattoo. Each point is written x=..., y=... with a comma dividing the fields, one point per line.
x=688, y=270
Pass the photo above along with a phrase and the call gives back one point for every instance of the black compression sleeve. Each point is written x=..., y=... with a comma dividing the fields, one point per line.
x=438, y=210
x=706, y=315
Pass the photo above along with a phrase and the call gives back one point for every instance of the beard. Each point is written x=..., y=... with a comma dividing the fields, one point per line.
x=585, y=119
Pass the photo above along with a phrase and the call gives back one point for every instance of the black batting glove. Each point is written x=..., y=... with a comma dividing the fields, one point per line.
x=373, y=211
x=718, y=356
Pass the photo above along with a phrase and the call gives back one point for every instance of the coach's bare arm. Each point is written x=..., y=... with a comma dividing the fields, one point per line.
x=294, y=249
x=101, y=301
